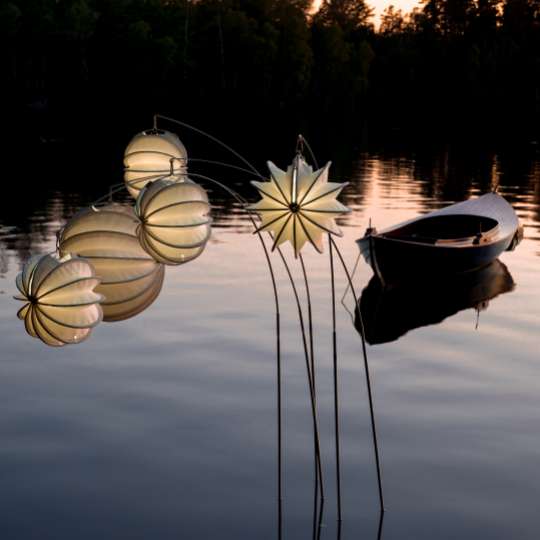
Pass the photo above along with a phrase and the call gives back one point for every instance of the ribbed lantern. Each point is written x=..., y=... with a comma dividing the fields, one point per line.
x=61, y=306
x=174, y=220
x=150, y=155
x=106, y=236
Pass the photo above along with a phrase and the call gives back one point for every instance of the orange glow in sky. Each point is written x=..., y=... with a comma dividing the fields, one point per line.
x=379, y=5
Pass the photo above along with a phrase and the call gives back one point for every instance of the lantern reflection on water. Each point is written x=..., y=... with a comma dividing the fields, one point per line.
x=130, y=279
x=150, y=155
x=174, y=220
x=62, y=306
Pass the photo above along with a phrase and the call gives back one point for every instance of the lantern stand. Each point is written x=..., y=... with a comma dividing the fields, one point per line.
x=368, y=380
x=336, y=386
x=299, y=153
x=243, y=201
x=181, y=174
x=310, y=378
x=278, y=348
x=318, y=463
x=252, y=169
x=333, y=244
x=380, y=527
x=309, y=365
x=300, y=147
x=317, y=520
x=312, y=354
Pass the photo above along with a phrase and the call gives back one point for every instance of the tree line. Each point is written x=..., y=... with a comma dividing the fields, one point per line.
x=456, y=63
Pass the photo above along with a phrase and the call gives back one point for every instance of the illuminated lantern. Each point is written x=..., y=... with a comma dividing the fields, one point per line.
x=61, y=304
x=106, y=236
x=150, y=155
x=299, y=205
x=174, y=220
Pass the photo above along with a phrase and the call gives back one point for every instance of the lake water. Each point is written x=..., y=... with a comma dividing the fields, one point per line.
x=164, y=425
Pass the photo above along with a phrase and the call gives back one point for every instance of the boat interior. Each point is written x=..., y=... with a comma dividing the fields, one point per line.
x=447, y=229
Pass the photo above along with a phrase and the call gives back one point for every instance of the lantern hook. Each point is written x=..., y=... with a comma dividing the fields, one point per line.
x=311, y=153
x=300, y=145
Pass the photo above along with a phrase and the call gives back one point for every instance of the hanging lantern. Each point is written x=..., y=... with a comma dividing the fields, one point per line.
x=106, y=236
x=61, y=304
x=150, y=155
x=299, y=205
x=174, y=220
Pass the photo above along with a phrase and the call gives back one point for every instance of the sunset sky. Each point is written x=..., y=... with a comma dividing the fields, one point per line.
x=380, y=5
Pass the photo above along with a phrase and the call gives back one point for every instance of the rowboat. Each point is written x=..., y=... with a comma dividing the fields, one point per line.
x=388, y=313
x=458, y=238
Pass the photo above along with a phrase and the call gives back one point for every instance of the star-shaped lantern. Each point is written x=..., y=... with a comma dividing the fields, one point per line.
x=299, y=205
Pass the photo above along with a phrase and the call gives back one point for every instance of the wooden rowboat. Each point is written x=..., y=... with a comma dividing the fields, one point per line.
x=459, y=238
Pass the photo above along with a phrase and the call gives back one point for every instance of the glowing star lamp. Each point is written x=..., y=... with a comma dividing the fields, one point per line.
x=106, y=236
x=150, y=155
x=61, y=305
x=299, y=205
x=174, y=220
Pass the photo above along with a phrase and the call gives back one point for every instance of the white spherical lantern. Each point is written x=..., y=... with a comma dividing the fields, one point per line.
x=106, y=236
x=174, y=220
x=61, y=306
x=150, y=155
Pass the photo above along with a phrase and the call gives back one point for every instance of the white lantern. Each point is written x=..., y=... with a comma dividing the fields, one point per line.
x=299, y=205
x=61, y=304
x=150, y=155
x=174, y=220
x=106, y=236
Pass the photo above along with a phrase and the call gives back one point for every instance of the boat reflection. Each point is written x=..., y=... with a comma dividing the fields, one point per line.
x=390, y=312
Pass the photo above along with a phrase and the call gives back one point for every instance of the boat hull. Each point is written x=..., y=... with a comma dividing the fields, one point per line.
x=393, y=260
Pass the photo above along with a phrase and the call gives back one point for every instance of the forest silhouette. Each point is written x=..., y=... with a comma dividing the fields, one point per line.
x=450, y=64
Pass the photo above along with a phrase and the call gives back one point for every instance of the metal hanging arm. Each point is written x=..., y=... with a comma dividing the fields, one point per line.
x=208, y=136
x=311, y=153
x=223, y=164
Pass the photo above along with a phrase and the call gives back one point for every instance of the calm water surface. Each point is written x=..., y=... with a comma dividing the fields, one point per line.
x=163, y=426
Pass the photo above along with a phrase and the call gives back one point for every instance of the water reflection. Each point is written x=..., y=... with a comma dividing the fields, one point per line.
x=123, y=429
x=388, y=313
x=418, y=180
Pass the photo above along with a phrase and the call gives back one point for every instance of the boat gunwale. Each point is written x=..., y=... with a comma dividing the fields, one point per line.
x=458, y=207
x=506, y=219
x=381, y=236
x=486, y=236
